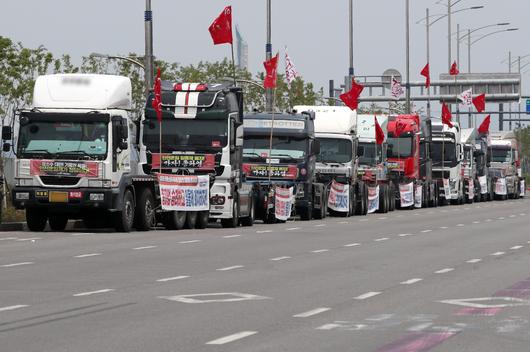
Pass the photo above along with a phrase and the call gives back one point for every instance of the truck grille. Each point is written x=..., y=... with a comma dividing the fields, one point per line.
x=59, y=180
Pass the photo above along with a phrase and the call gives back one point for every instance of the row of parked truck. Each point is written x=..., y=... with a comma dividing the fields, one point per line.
x=80, y=153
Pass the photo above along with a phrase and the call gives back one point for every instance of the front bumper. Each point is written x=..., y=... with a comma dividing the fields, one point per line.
x=76, y=201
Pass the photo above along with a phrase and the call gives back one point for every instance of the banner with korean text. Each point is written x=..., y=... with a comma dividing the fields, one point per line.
x=184, y=193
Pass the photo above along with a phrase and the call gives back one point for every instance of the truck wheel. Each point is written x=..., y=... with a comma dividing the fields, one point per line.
x=36, y=219
x=191, y=220
x=123, y=220
x=58, y=222
x=202, y=219
x=365, y=200
x=391, y=197
x=145, y=210
x=234, y=221
x=174, y=220
x=383, y=199
x=305, y=213
x=249, y=220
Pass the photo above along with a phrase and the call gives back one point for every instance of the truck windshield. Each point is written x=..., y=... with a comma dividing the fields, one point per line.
x=501, y=155
x=368, y=154
x=180, y=134
x=400, y=147
x=335, y=150
x=282, y=147
x=63, y=140
x=449, y=153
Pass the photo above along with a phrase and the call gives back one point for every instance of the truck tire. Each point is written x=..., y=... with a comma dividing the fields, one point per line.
x=202, y=219
x=234, y=221
x=365, y=200
x=305, y=213
x=145, y=210
x=249, y=220
x=36, y=219
x=391, y=197
x=362, y=209
x=191, y=220
x=123, y=220
x=58, y=222
x=383, y=199
x=174, y=220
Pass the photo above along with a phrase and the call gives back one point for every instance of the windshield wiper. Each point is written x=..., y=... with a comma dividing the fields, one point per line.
x=74, y=152
x=253, y=154
x=37, y=151
x=283, y=155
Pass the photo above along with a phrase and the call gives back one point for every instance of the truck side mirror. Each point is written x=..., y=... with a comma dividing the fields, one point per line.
x=6, y=133
x=6, y=147
x=315, y=147
x=239, y=136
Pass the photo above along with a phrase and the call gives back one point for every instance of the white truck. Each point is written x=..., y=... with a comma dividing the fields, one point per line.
x=472, y=190
x=75, y=156
x=337, y=163
x=447, y=154
x=505, y=166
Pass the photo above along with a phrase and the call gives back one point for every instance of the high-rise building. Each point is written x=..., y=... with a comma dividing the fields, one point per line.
x=242, y=51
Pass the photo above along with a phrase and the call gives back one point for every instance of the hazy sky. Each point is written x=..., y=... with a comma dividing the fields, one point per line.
x=314, y=30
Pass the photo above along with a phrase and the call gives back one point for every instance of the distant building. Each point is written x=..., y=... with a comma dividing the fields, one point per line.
x=242, y=51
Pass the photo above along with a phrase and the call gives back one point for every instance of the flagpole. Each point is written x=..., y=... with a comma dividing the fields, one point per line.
x=270, y=137
x=233, y=64
x=160, y=146
x=428, y=59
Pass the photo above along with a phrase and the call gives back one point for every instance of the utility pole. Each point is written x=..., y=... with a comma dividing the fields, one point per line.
x=428, y=28
x=351, y=71
x=449, y=34
x=149, y=58
x=407, y=74
x=268, y=55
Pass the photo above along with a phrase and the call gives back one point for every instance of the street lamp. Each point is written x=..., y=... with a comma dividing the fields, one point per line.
x=116, y=57
x=492, y=33
x=268, y=55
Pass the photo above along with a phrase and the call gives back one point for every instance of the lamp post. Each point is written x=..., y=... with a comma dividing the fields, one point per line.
x=149, y=58
x=407, y=71
x=268, y=55
x=117, y=57
x=471, y=43
x=351, y=70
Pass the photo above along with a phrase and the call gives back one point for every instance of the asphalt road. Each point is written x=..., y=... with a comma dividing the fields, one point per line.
x=445, y=279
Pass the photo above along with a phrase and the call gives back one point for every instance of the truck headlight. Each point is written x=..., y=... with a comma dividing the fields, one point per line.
x=24, y=181
x=22, y=195
x=107, y=183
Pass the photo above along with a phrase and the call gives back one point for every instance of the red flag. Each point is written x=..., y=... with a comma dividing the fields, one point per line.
x=484, y=127
x=454, y=69
x=351, y=98
x=379, y=134
x=400, y=127
x=271, y=74
x=426, y=73
x=157, y=99
x=221, y=28
x=480, y=102
x=446, y=116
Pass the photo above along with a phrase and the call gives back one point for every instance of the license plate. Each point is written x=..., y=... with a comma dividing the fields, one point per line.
x=58, y=197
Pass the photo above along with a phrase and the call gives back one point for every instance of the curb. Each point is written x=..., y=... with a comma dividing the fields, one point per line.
x=21, y=226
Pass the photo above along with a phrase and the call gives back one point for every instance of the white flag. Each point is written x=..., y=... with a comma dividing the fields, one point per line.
x=396, y=88
x=290, y=69
x=466, y=97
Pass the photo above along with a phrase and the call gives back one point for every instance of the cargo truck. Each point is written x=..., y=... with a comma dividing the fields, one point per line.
x=506, y=166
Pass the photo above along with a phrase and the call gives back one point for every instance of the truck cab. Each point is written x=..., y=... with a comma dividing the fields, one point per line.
x=469, y=166
x=505, y=165
x=286, y=159
x=482, y=159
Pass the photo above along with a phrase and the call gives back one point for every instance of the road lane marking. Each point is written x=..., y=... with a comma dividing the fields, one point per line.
x=231, y=268
x=320, y=251
x=173, y=278
x=488, y=220
x=190, y=241
x=473, y=261
x=231, y=236
x=444, y=227
x=367, y=295
x=444, y=271
x=16, y=264
x=293, y=228
x=496, y=254
x=279, y=258
x=144, y=247
x=460, y=225
x=87, y=255
x=516, y=247
x=419, y=327
x=411, y=281
x=8, y=238
x=501, y=218
x=311, y=312
x=28, y=239
x=320, y=225
x=89, y=293
x=231, y=338
x=382, y=218
x=264, y=231
x=426, y=231
x=18, y=306
x=513, y=216
x=352, y=245
x=381, y=239
x=405, y=234
x=476, y=222
x=363, y=220
x=344, y=222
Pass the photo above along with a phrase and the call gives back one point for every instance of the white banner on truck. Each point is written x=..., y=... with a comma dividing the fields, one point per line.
x=418, y=196
x=470, y=189
x=184, y=193
x=500, y=187
x=283, y=203
x=483, y=180
x=447, y=188
x=406, y=193
x=373, y=199
x=339, y=197
x=523, y=188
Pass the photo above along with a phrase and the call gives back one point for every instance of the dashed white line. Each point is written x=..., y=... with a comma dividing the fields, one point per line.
x=382, y=218
x=512, y=216
x=173, y=278
x=460, y=225
x=344, y=222
x=473, y=261
x=501, y=218
x=476, y=222
x=516, y=247
x=8, y=238
x=381, y=239
x=488, y=220
x=93, y=292
x=279, y=258
x=411, y=281
x=320, y=251
x=28, y=239
x=18, y=306
x=190, y=241
x=320, y=225
x=444, y=271
x=144, y=247
x=352, y=245
x=363, y=220
x=231, y=338
x=16, y=264
x=293, y=228
x=231, y=268
x=496, y=254
x=311, y=312
x=426, y=231
x=444, y=227
x=231, y=236
x=367, y=295
x=405, y=234
x=264, y=231
x=87, y=255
